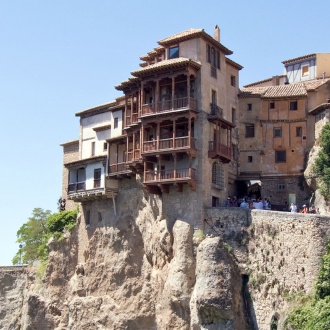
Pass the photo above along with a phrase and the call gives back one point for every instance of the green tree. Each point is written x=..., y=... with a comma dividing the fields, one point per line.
x=322, y=163
x=31, y=236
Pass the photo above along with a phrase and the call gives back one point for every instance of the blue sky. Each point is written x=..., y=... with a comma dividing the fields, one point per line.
x=60, y=57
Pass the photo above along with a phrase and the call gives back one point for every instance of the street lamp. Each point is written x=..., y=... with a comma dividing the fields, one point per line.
x=20, y=254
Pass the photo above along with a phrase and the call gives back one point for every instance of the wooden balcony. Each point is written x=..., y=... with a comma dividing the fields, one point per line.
x=119, y=170
x=163, y=145
x=134, y=161
x=184, y=103
x=132, y=120
x=221, y=151
x=78, y=193
x=161, y=180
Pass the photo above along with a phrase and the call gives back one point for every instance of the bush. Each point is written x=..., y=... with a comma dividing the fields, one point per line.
x=57, y=222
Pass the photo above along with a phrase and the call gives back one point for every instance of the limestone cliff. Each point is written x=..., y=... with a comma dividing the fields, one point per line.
x=139, y=270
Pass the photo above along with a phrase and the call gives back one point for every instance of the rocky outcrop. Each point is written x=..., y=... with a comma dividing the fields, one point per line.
x=141, y=271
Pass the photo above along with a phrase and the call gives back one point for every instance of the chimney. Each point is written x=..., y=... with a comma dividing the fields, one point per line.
x=217, y=33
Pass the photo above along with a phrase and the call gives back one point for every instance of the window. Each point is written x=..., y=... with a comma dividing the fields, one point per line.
x=250, y=159
x=99, y=216
x=97, y=178
x=277, y=132
x=249, y=107
x=305, y=71
x=215, y=201
x=233, y=81
x=280, y=186
x=213, y=57
x=174, y=52
x=272, y=105
x=249, y=130
x=88, y=219
x=105, y=146
x=280, y=156
x=217, y=176
x=298, y=131
x=93, y=149
x=293, y=105
x=115, y=124
x=233, y=116
x=214, y=97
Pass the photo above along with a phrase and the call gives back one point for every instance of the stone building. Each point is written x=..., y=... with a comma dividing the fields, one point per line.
x=277, y=119
x=173, y=132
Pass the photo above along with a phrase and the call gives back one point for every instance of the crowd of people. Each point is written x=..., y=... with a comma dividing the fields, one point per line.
x=249, y=203
x=265, y=204
x=304, y=209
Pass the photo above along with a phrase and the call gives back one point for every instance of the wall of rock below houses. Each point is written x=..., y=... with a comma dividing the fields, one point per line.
x=278, y=253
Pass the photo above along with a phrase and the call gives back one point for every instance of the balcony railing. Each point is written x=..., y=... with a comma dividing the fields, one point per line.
x=219, y=150
x=132, y=156
x=170, y=175
x=77, y=186
x=216, y=111
x=169, y=105
x=179, y=142
x=117, y=168
x=131, y=120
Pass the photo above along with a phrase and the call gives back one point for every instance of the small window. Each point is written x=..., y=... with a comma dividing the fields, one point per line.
x=88, y=219
x=93, y=149
x=105, y=146
x=250, y=159
x=115, y=124
x=249, y=130
x=305, y=71
x=280, y=156
x=97, y=178
x=277, y=132
x=272, y=105
x=215, y=201
x=249, y=107
x=99, y=216
x=233, y=116
x=233, y=81
x=280, y=186
x=293, y=105
x=298, y=131
x=174, y=52
x=218, y=176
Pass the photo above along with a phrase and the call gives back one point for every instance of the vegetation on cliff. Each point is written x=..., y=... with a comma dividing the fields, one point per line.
x=321, y=168
x=313, y=312
x=35, y=233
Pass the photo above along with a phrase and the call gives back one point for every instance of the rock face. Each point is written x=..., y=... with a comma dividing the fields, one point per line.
x=139, y=270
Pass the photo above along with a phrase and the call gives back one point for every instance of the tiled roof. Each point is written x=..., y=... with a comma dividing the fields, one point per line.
x=263, y=81
x=69, y=143
x=305, y=57
x=319, y=108
x=315, y=83
x=234, y=64
x=290, y=90
x=130, y=82
x=113, y=105
x=175, y=62
x=252, y=92
x=180, y=36
x=190, y=34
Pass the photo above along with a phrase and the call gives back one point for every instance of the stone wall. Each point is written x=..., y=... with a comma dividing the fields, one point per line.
x=279, y=252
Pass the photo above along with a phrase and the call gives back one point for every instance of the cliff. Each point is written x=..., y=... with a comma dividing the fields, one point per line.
x=139, y=270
